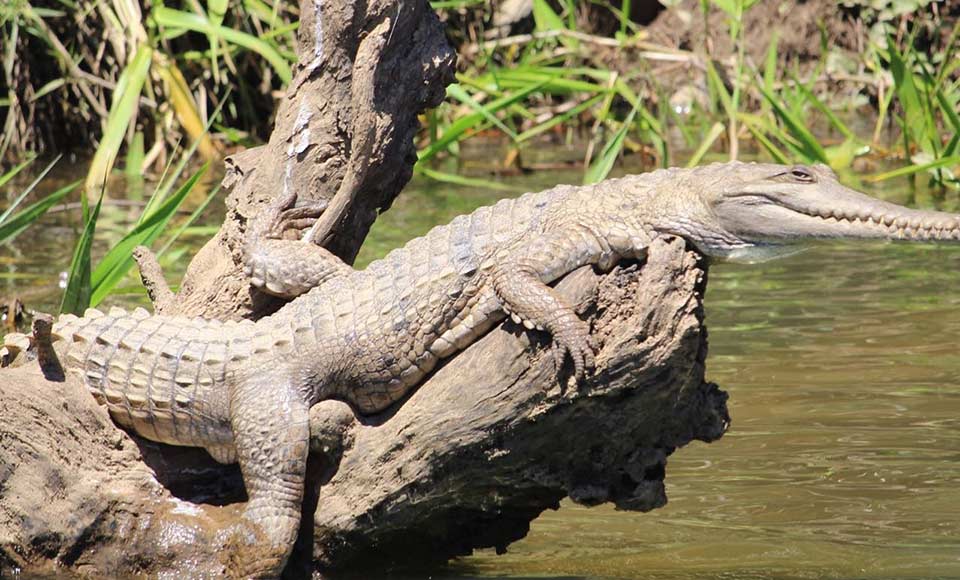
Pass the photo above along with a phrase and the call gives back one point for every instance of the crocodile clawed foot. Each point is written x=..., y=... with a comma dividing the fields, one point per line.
x=573, y=339
x=293, y=220
x=246, y=552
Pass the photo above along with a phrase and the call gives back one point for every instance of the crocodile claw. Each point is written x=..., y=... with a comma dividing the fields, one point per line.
x=247, y=553
x=301, y=217
x=572, y=337
x=283, y=214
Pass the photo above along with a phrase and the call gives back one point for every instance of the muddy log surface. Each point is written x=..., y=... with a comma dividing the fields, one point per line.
x=485, y=445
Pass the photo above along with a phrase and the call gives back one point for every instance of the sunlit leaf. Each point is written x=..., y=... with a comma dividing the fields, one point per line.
x=12, y=226
x=600, y=168
x=76, y=297
x=115, y=264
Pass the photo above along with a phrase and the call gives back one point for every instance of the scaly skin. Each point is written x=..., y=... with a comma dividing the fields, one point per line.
x=244, y=390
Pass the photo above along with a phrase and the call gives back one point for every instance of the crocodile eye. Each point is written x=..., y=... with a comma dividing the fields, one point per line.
x=802, y=175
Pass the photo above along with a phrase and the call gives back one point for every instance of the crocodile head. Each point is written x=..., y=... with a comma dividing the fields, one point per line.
x=753, y=210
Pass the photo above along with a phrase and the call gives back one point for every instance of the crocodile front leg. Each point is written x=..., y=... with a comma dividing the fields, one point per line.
x=520, y=280
x=288, y=268
x=270, y=421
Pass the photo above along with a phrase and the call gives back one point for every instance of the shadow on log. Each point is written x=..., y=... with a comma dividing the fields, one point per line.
x=484, y=446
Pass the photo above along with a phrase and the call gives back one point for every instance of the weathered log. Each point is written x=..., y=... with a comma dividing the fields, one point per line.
x=486, y=444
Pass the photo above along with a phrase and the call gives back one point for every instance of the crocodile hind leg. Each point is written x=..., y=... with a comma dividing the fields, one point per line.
x=270, y=421
x=288, y=268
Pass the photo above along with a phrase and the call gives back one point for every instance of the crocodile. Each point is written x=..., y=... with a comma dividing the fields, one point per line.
x=243, y=390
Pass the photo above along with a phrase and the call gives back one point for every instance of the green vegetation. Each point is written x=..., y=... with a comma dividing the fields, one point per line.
x=12, y=223
x=163, y=67
x=558, y=77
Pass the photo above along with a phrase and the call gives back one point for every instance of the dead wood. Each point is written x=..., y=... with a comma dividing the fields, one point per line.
x=493, y=438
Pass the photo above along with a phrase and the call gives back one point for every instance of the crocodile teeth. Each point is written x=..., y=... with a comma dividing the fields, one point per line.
x=529, y=325
x=515, y=318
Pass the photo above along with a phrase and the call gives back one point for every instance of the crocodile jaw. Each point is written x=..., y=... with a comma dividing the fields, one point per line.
x=766, y=213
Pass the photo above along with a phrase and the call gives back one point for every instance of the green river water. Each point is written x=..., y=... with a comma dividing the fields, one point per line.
x=843, y=369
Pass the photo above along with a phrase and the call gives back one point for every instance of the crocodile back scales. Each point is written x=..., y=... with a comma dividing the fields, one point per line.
x=165, y=376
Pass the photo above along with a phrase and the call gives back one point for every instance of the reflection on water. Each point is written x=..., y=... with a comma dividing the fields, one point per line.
x=843, y=460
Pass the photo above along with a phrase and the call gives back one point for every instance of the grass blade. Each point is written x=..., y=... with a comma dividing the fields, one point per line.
x=600, y=168
x=720, y=89
x=456, y=179
x=949, y=111
x=818, y=104
x=558, y=119
x=753, y=124
x=715, y=131
x=25, y=192
x=461, y=126
x=168, y=179
x=185, y=106
x=76, y=297
x=115, y=264
x=13, y=172
x=12, y=227
x=457, y=92
x=918, y=123
x=809, y=147
x=123, y=108
x=770, y=62
x=176, y=19
x=193, y=217
x=911, y=169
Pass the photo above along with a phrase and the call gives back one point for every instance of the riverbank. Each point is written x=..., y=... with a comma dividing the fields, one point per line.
x=725, y=76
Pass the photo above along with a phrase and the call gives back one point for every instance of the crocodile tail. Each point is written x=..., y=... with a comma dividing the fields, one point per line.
x=153, y=373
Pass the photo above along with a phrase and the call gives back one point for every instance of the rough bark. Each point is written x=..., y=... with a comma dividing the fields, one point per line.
x=486, y=444
x=343, y=133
